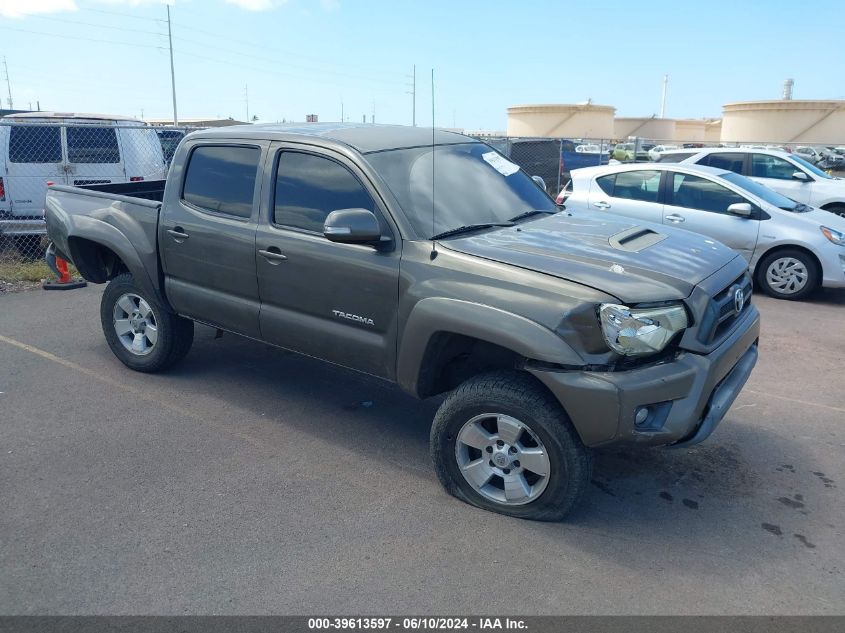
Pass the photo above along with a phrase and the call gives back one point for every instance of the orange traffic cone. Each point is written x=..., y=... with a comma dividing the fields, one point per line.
x=59, y=266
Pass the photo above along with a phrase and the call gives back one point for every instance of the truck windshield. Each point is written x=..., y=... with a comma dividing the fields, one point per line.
x=472, y=185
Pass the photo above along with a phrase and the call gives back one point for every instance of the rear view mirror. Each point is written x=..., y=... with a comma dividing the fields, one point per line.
x=352, y=226
x=800, y=175
x=742, y=209
x=540, y=182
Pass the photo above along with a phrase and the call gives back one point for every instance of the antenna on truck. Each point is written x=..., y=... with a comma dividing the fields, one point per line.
x=433, y=242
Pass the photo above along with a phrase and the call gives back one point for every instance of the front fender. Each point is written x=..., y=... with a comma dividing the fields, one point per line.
x=511, y=331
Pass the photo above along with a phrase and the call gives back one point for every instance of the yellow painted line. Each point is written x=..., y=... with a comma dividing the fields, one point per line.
x=795, y=400
x=139, y=393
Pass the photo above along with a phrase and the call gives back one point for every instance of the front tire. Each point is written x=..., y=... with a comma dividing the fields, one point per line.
x=140, y=332
x=501, y=442
x=838, y=209
x=788, y=274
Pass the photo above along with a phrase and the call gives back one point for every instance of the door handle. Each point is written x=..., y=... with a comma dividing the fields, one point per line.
x=601, y=205
x=273, y=255
x=178, y=234
x=675, y=218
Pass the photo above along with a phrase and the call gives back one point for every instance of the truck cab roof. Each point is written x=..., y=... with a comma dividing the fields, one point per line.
x=365, y=138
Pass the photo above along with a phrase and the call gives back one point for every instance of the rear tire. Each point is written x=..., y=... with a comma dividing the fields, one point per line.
x=140, y=332
x=494, y=435
x=788, y=274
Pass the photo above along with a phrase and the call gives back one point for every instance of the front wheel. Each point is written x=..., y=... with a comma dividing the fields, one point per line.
x=838, y=209
x=501, y=442
x=788, y=274
x=139, y=331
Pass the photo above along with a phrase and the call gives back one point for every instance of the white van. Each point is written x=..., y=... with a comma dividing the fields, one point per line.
x=67, y=148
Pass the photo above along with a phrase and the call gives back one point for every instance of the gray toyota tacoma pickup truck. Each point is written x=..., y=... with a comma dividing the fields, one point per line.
x=429, y=260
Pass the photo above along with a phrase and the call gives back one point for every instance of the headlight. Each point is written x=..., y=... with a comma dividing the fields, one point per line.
x=837, y=237
x=640, y=331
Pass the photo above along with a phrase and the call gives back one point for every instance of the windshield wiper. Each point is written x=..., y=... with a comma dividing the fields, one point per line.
x=798, y=208
x=467, y=228
x=530, y=213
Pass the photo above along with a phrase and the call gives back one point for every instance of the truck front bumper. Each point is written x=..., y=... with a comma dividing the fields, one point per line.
x=679, y=401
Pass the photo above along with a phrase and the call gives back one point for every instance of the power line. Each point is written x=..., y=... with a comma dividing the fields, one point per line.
x=85, y=39
x=125, y=15
x=99, y=26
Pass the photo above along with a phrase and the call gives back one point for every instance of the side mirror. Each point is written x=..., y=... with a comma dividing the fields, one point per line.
x=352, y=226
x=800, y=175
x=742, y=209
x=540, y=182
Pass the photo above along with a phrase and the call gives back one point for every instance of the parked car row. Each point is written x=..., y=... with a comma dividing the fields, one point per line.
x=791, y=247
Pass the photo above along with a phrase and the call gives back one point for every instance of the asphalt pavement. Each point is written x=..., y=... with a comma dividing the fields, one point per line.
x=252, y=480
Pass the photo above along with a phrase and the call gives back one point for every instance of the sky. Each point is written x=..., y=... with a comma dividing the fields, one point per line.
x=284, y=59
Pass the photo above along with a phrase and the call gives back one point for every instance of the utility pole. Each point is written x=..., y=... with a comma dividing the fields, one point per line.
x=341, y=112
x=8, y=84
x=373, y=120
x=172, y=70
x=413, y=93
x=663, y=99
x=246, y=99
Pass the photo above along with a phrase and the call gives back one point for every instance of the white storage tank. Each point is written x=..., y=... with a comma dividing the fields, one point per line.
x=583, y=120
x=652, y=128
x=784, y=121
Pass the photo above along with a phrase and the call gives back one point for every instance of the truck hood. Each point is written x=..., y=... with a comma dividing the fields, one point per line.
x=636, y=262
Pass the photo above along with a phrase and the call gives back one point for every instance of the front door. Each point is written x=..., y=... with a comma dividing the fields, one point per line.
x=93, y=155
x=776, y=173
x=34, y=159
x=207, y=236
x=700, y=205
x=337, y=302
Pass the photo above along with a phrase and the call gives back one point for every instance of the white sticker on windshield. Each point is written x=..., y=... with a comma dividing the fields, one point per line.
x=500, y=164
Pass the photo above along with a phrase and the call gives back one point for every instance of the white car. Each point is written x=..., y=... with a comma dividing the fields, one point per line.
x=657, y=151
x=787, y=174
x=810, y=154
x=791, y=248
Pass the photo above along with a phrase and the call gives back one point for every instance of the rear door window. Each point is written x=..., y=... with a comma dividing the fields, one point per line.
x=35, y=144
x=92, y=145
x=729, y=161
x=222, y=179
x=643, y=185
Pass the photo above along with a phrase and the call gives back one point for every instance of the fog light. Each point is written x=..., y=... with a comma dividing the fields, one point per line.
x=641, y=416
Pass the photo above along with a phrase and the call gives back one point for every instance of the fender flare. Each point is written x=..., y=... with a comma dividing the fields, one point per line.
x=103, y=234
x=493, y=325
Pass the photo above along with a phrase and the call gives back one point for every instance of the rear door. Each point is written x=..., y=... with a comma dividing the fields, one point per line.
x=207, y=235
x=776, y=173
x=338, y=302
x=635, y=194
x=701, y=205
x=33, y=158
x=93, y=155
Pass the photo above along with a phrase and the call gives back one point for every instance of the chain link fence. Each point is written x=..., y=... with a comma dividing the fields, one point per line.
x=34, y=153
x=553, y=159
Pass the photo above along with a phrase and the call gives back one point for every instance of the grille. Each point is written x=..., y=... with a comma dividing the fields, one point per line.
x=721, y=314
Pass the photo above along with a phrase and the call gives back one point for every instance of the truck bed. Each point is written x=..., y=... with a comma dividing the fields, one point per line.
x=97, y=227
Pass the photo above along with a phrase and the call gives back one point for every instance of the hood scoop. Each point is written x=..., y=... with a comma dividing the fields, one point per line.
x=635, y=239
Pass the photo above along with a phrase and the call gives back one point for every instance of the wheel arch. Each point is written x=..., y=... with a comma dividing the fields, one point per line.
x=446, y=341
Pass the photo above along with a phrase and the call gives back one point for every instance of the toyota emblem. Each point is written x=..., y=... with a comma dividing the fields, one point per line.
x=739, y=300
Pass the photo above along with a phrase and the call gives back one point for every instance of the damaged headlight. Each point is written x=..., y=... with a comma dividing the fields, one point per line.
x=640, y=331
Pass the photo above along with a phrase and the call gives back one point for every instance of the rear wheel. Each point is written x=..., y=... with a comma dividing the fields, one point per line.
x=139, y=331
x=788, y=274
x=501, y=442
